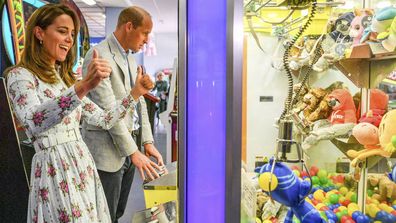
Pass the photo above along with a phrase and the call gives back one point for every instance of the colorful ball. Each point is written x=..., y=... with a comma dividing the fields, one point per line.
x=319, y=195
x=334, y=198
x=264, y=181
x=322, y=173
x=343, y=190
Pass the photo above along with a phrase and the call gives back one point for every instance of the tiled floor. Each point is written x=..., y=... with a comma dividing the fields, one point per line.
x=136, y=198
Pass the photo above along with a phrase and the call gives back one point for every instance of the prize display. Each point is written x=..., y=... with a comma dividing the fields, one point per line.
x=317, y=38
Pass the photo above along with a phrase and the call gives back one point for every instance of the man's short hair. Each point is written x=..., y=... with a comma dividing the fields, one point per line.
x=132, y=14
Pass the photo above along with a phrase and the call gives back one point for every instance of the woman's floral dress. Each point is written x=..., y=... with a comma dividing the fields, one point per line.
x=64, y=183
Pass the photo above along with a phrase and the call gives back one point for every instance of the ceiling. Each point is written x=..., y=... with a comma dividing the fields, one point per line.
x=164, y=13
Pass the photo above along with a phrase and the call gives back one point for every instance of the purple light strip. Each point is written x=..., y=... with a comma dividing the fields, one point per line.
x=206, y=111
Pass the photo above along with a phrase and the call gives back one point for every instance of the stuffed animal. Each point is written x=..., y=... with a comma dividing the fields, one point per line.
x=378, y=106
x=386, y=188
x=306, y=55
x=365, y=134
x=390, y=42
x=335, y=43
x=344, y=110
x=361, y=21
x=284, y=187
x=340, y=122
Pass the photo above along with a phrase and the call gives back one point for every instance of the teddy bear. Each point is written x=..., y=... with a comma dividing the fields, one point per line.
x=386, y=188
x=340, y=122
x=377, y=141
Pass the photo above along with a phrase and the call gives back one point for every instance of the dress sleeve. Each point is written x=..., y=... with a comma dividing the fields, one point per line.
x=105, y=119
x=35, y=115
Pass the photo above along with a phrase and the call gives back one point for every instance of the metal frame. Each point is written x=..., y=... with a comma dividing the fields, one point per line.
x=234, y=44
x=234, y=110
x=181, y=122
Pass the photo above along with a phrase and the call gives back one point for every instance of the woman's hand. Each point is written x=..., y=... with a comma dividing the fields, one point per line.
x=143, y=84
x=98, y=70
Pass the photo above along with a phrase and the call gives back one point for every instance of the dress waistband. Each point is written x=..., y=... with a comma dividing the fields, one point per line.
x=57, y=138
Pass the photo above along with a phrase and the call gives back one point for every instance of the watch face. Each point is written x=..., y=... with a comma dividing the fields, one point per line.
x=366, y=21
x=340, y=49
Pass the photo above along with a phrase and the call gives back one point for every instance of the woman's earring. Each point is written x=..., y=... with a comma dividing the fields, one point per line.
x=41, y=42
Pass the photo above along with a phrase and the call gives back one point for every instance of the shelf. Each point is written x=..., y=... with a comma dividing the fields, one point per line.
x=347, y=144
x=367, y=73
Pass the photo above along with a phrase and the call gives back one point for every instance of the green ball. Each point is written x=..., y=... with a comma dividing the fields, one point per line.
x=354, y=198
x=370, y=192
x=323, y=180
x=334, y=198
x=344, y=212
x=315, y=180
x=322, y=173
x=339, y=215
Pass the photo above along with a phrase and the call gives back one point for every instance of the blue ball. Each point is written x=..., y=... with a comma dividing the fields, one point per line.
x=362, y=219
x=310, y=196
x=381, y=216
x=356, y=214
x=394, y=207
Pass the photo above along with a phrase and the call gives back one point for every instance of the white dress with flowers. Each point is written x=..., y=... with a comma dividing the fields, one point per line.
x=65, y=186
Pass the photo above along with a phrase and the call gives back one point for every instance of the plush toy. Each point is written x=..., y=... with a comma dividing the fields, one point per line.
x=262, y=199
x=335, y=43
x=386, y=188
x=306, y=55
x=365, y=134
x=361, y=21
x=344, y=110
x=390, y=42
x=340, y=122
x=284, y=187
x=378, y=106
x=342, y=26
x=383, y=19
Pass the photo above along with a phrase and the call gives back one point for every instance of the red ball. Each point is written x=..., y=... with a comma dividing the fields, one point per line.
x=315, y=202
x=294, y=167
x=314, y=169
x=346, y=203
x=344, y=218
x=303, y=174
x=394, y=212
x=350, y=221
x=336, y=210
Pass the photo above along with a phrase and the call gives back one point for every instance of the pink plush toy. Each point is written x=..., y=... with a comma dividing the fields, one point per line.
x=361, y=21
x=344, y=110
x=367, y=135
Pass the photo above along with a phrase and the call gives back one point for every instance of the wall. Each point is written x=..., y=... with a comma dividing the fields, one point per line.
x=167, y=49
x=263, y=80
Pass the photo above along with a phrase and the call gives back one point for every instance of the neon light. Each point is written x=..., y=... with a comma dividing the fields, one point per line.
x=9, y=46
x=35, y=3
x=206, y=111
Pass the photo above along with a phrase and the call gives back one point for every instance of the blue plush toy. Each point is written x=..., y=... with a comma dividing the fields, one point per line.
x=288, y=190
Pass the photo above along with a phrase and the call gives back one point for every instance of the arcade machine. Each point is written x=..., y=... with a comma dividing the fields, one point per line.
x=169, y=118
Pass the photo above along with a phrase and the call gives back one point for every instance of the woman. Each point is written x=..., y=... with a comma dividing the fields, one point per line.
x=65, y=186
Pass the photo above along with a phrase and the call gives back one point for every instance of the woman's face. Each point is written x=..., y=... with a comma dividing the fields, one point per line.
x=57, y=38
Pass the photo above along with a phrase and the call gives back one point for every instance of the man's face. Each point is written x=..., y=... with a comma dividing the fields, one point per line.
x=138, y=36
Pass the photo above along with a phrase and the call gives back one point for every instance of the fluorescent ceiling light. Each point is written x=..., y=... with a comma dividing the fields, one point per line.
x=89, y=2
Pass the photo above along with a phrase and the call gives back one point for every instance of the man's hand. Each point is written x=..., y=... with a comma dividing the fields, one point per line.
x=150, y=150
x=145, y=165
x=143, y=84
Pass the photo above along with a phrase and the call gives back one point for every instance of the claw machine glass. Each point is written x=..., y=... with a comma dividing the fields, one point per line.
x=318, y=93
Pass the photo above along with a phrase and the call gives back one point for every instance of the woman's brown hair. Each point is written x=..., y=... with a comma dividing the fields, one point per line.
x=34, y=57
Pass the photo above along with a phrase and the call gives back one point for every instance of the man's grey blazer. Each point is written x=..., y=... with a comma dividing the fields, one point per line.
x=110, y=147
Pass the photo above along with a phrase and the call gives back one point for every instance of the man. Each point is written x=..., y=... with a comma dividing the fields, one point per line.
x=116, y=151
